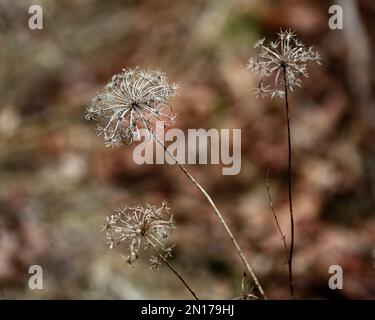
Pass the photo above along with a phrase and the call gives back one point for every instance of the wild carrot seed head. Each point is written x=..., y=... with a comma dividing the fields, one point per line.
x=141, y=226
x=133, y=99
x=285, y=55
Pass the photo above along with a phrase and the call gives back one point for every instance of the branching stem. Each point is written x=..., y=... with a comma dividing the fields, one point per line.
x=282, y=234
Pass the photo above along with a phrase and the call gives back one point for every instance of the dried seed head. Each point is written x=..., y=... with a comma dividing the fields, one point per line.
x=133, y=99
x=286, y=56
x=141, y=227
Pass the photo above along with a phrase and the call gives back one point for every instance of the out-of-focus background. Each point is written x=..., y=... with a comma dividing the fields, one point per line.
x=58, y=181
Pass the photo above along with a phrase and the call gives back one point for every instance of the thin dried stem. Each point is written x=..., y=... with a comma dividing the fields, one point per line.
x=276, y=219
x=221, y=218
x=173, y=270
x=282, y=63
x=291, y=249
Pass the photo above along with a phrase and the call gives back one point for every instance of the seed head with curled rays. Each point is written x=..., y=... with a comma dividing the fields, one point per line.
x=141, y=226
x=133, y=99
x=287, y=56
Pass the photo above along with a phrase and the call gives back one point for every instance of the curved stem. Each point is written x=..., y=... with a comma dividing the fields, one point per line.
x=221, y=218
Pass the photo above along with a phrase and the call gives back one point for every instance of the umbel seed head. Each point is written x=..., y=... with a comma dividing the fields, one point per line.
x=141, y=226
x=133, y=99
x=281, y=62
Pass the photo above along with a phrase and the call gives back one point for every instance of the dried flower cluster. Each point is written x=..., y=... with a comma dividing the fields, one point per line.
x=133, y=99
x=141, y=227
x=282, y=60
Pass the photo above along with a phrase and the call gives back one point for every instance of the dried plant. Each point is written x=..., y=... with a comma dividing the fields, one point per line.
x=281, y=64
x=137, y=98
x=282, y=234
x=132, y=100
x=133, y=225
x=143, y=227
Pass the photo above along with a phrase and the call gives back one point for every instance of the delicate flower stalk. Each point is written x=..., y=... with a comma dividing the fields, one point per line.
x=143, y=226
x=291, y=247
x=282, y=234
x=281, y=64
x=222, y=220
x=136, y=98
x=173, y=270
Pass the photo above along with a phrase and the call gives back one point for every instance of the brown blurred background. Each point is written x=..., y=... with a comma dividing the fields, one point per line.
x=58, y=181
